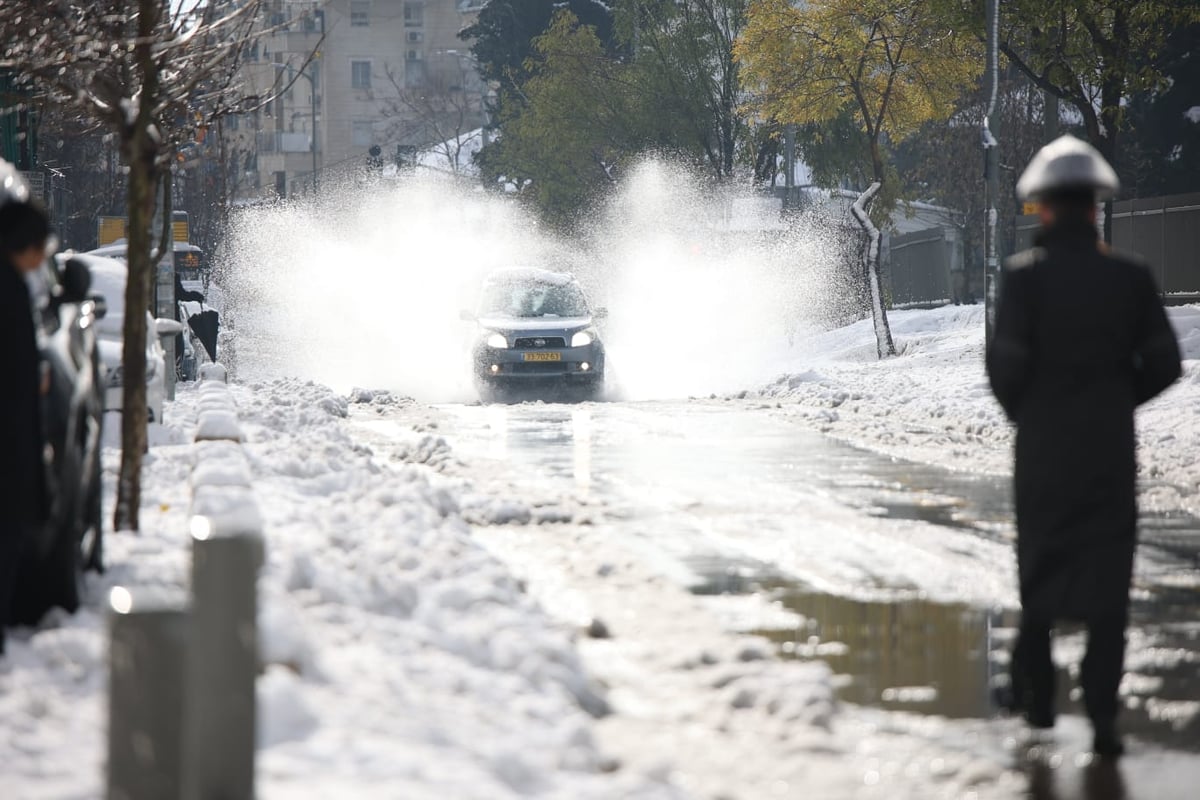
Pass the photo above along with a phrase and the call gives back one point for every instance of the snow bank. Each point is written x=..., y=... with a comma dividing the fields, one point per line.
x=932, y=402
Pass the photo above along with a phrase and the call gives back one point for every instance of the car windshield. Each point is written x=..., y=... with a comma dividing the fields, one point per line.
x=533, y=299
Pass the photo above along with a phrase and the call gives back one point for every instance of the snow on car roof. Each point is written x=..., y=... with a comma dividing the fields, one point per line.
x=108, y=278
x=510, y=274
x=119, y=248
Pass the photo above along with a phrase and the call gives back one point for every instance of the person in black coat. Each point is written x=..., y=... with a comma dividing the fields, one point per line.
x=24, y=230
x=1080, y=340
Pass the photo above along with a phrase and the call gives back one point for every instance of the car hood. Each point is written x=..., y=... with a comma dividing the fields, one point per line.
x=535, y=324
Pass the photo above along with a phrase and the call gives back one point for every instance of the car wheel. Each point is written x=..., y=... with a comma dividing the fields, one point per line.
x=65, y=567
x=589, y=391
x=92, y=543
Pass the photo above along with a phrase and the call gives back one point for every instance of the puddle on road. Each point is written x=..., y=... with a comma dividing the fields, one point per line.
x=937, y=658
x=912, y=655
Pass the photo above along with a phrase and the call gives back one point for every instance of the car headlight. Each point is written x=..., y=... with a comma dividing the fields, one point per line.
x=497, y=341
x=583, y=338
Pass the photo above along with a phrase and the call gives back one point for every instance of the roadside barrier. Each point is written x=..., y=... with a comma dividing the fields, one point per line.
x=182, y=712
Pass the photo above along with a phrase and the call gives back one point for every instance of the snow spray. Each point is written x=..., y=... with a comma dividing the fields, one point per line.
x=363, y=286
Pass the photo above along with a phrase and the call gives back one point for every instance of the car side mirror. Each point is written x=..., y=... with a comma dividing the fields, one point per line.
x=600, y=313
x=167, y=327
x=76, y=281
x=99, y=304
x=467, y=316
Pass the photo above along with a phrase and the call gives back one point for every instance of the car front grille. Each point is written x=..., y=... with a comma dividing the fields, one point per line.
x=538, y=366
x=536, y=342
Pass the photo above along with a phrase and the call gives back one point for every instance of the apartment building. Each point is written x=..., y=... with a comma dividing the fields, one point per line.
x=347, y=76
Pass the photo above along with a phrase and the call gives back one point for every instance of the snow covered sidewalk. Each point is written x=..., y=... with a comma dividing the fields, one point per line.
x=932, y=402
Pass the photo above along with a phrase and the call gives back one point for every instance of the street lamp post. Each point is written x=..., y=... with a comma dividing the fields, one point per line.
x=312, y=137
x=991, y=149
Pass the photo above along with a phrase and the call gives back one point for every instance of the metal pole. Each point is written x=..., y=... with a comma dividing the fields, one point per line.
x=991, y=269
x=312, y=144
x=789, y=164
x=148, y=637
x=164, y=281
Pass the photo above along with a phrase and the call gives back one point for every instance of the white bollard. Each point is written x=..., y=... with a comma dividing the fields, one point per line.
x=148, y=637
x=219, y=700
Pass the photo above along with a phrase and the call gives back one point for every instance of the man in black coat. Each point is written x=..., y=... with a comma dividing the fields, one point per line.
x=24, y=230
x=1080, y=340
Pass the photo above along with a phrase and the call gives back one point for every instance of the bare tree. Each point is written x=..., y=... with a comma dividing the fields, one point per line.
x=147, y=71
x=439, y=113
x=81, y=161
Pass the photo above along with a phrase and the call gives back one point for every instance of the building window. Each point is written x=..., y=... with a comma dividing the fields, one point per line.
x=416, y=36
x=414, y=15
x=314, y=21
x=360, y=13
x=362, y=133
x=414, y=69
x=360, y=74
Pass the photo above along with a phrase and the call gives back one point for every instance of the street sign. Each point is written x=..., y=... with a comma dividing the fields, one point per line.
x=37, y=183
x=109, y=229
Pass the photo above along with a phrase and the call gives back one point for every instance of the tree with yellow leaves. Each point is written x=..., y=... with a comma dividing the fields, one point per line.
x=888, y=65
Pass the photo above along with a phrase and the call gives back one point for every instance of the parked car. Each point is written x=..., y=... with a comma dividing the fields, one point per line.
x=535, y=329
x=108, y=277
x=71, y=542
x=198, y=342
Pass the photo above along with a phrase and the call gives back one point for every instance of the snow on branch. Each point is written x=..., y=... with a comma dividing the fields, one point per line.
x=138, y=65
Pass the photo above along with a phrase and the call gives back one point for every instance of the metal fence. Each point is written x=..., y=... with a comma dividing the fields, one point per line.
x=1166, y=232
x=925, y=267
x=1026, y=229
x=1163, y=230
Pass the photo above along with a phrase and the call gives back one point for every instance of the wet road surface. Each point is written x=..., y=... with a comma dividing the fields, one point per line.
x=700, y=475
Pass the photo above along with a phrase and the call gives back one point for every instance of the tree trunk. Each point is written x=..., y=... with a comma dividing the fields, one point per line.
x=1110, y=117
x=883, y=332
x=765, y=167
x=142, y=185
x=140, y=144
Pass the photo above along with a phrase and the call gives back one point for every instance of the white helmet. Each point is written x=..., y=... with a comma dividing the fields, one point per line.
x=1067, y=163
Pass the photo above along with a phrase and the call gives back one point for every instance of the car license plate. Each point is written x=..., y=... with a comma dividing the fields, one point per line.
x=543, y=356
